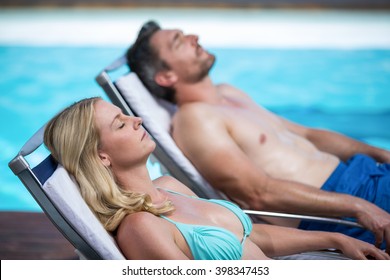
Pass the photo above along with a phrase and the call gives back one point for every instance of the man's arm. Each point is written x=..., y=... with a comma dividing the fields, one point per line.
x=337, y=144
x=207, y=143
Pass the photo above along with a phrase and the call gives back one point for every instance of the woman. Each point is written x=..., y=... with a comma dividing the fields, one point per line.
x=106, y=151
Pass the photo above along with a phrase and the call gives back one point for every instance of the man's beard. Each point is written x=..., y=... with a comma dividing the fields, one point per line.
x=204, y=69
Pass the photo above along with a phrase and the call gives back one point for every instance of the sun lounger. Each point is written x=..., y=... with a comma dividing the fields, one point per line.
x=128, y=93
x=59, y=197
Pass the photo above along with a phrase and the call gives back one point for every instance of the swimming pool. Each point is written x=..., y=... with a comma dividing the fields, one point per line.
x=344, y=89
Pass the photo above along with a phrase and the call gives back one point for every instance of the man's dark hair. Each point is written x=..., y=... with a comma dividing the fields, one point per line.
x=143, y=60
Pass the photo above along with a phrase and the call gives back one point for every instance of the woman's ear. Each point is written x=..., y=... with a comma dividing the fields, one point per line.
x=166, y=78
x=105, y=159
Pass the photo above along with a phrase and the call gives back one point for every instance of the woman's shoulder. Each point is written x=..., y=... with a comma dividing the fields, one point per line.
x=140, y=234
x=138, y=226
x=133, y=223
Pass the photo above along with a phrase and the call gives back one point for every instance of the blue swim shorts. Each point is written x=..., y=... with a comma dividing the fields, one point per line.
x=363, y=177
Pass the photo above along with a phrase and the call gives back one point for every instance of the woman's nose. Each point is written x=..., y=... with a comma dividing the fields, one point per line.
x=137, y=122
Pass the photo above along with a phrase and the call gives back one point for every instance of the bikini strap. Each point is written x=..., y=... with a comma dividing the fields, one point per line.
x=168, y=219
x=178, y=193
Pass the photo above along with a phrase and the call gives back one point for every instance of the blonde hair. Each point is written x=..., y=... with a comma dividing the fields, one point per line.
x=73, y=140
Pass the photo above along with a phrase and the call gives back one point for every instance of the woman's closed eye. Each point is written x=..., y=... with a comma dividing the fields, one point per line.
x=121, y=125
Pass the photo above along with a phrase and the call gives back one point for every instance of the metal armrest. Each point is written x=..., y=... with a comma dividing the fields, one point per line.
x=303, y=217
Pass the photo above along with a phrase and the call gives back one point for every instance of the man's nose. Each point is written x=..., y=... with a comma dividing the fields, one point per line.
x=193, y=38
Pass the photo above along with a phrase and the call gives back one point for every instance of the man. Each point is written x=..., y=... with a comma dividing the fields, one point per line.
x=256, y=158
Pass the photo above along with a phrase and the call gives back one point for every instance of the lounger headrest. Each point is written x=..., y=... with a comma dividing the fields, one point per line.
x=65, y=194
x=45, y=169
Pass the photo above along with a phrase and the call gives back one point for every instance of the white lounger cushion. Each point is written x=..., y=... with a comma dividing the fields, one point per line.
x=65, y=194
x=156, y=115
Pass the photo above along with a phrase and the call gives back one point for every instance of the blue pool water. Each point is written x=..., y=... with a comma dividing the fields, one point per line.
x=344, y=90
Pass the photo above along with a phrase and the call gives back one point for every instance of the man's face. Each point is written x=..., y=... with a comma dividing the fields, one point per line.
x=190, y=62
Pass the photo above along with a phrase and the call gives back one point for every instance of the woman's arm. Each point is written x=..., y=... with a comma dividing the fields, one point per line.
x=143, y=236
x=281, y=241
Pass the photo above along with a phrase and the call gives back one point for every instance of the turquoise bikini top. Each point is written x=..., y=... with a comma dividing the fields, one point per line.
x=214, y=243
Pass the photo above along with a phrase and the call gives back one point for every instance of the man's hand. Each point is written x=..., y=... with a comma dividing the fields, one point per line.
x=378, y=221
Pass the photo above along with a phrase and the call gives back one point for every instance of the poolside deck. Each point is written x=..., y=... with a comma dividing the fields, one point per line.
x=31, y=236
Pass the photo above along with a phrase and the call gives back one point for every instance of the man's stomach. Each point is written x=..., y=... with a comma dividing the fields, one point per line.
x=310, y=168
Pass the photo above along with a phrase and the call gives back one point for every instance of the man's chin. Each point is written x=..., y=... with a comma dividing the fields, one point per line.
x=211, y=60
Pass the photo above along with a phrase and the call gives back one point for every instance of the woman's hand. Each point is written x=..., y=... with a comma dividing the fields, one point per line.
x=359, y=250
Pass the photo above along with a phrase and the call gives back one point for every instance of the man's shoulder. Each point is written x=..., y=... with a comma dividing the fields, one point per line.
x=231, y=91
x=195, y=110
x=195, y=117
x=226, y=87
